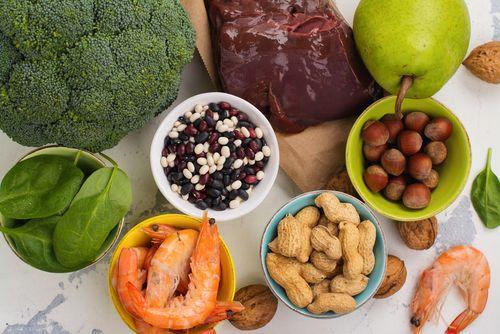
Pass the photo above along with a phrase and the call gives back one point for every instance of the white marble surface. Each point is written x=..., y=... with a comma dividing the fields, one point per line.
x=39, y=303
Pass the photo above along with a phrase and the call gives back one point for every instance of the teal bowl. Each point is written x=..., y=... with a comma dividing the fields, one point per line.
x=307, y=199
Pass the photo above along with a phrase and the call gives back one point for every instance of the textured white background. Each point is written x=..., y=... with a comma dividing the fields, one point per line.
x=38, y=303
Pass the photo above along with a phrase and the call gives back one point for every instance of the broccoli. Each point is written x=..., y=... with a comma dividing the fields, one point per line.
x=84, y=73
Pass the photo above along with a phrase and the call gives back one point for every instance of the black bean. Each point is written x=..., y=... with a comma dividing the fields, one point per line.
x=176, y=141
x=245, y=186
x=245, y=124
x=246, y=141
x=197, y=122
x=210, y=121
x=212, y=192
x=229, y=162
x=242, y=175
x=216, y=201
x=223, y=114
x=181, y=166
x=200, y=204
x=233, y=194
x=249, y=170
x=231, y=146
x=264, y=143
x=176, y=176
x=186, y=189
x=217, y=184
x=226, y=170
x=229, y=134
x=221, y=207
x=217, y=176
x=243, y=194
x=183, y=137
x=225, y=192
x=182, y=119
x=201, y=137
x=191, y=199
x=169, y=177
x=183, y=181
x=214, y=107
x=226, y=179
x=209, y=201
x=189, y=158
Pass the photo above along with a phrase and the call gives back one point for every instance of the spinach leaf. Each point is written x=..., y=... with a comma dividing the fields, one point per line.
x=39, y=187
x=33, y=242
x=103, y=200
x=485, y=195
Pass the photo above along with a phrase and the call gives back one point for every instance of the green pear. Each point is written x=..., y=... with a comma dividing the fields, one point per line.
x=415, y=45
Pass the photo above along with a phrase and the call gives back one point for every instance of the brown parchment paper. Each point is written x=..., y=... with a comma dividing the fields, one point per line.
x=309, y=158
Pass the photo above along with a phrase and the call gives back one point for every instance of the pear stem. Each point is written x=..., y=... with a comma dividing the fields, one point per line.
x=406, y=83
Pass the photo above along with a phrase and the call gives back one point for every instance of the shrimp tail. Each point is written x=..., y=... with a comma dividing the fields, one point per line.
x=138, y=299
x=159, y=232
x=463, y=320
x=223, y=311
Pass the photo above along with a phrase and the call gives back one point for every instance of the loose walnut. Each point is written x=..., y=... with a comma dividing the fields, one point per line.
x=419, y=234
x=321, y=287
x=260, y=306
x=341, y=182
x=395, y=277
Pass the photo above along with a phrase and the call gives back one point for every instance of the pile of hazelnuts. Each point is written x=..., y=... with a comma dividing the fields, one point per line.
x=402, y=154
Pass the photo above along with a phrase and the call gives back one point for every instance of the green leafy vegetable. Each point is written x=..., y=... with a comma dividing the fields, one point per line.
x=485, y=195
x=33, y=242
x=39, y=187
x=101, y=203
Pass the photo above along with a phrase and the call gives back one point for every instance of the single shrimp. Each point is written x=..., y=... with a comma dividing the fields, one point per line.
x=464, y=266
x=149, y=256
x=183, y=312
x=143, y=327
x=158, y=232
x=170, y=266
x=129, y=269
x=223, y=311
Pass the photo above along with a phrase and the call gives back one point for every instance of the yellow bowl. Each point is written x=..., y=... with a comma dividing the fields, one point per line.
x=136, y=237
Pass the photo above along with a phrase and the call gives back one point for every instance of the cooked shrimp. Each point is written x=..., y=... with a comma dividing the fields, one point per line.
x=223, y=311
x=184, y=312
x=129, y=269
x=143, y=327
x=169, y=266
x=159, y=232
x=465, y=266
x=149, y=255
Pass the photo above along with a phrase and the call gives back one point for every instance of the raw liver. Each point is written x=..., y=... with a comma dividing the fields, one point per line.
x=295, y=60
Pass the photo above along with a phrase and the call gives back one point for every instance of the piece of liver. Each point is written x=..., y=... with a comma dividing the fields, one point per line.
x=295, y=60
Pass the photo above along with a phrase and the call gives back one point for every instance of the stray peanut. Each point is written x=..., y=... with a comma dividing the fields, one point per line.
x=367, y=235
x=336, y=211
x=333, y=301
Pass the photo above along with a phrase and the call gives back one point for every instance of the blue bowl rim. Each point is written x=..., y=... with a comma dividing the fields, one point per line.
x=328, y=315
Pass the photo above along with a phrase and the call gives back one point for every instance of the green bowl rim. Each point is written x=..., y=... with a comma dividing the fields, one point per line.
x=384, y=248
x=446, y=204
x=120, y=224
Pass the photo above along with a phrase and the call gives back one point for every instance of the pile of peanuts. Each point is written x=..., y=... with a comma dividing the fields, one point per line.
x=323, y=259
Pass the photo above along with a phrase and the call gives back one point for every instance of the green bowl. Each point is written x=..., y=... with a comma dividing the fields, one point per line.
x=88, y=163
x=453, y=172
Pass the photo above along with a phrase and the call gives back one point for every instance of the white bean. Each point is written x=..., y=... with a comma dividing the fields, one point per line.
x=210, y=160
x=206, y=146
x=188, y=114
x=237, y=163
x=201, y=161
x=266, y=150
x=190, y=167
x=191, y=139
x=225, y=151
x=198, y=108
x=216, y=156
x=171, y=157
x=198, y=149
x=212, y=169
x=199, y=187
x=219, y=167
x=236, y=185
x=260, y=175
x=177, y=123
x=174, y=187
x=258, y=132
x=237, y=142
x=245, y=132
x=234, y=119
x=204, y=169
x=221, y=161
x=223, y=128
x=194, y=117
x=205, y=108
x=164, y=162
x=185, y=197
x=195, y=179
x=181, y=127
x=223, y=140
x=234, y=203
x=216, y=116
x=187, y=174
x=173, y=134
x=229, y=123
x=171, y=164
x=259, y=156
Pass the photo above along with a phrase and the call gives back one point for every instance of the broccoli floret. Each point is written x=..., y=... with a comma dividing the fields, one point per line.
x=84, y=73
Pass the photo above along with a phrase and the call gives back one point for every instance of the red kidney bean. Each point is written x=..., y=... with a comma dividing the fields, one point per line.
x=242, y=116
x=238, y=135
x=209, y=113
x=253, y=146
x=224, y=105
x=171, y=148
x=181, y=165
x=233, y=112
x=250, y=179
x=242, y=176
x=203, y=126
x=252, y=133
x=164, y=152
x=214, y=136
x=215, y=147
x=203, y=179
x=191, y=130
x=189, y=148
x=240, y=152
x=259, y=164
x=249, y=153
x=198, y=195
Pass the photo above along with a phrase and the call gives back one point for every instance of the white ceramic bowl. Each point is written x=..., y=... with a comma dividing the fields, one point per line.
x=259, y=192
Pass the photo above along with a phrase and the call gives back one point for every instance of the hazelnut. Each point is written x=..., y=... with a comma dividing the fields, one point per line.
x=416, y=121
x=260, y=306
x=394, y=125
x=419, y=166
x=420, y=234
x=373, y=153
x=393, y=161
x=439, y=129
x=409, y=142
x=432, y=180
x=375, y=178
x=416, y=196
x=437, y=151
x=395, y=188
x=395, y=277
x=375, y=133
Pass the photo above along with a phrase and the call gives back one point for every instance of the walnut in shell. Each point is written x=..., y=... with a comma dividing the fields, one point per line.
x=419, y=234
x=395, y=277
x=484, y=62
x=341, y=182
x=260, y=306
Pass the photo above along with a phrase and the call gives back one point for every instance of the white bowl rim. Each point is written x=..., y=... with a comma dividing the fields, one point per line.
x=184, y=206
x=327, y=315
